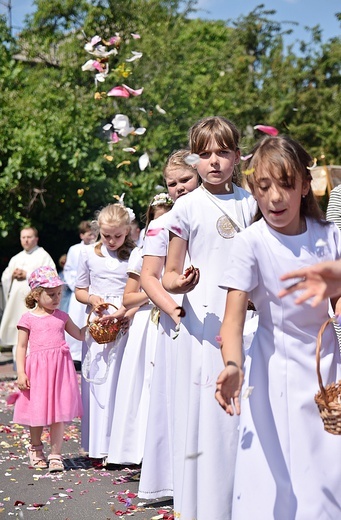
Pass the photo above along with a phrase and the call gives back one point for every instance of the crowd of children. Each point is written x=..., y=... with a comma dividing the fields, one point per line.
x=180, y=302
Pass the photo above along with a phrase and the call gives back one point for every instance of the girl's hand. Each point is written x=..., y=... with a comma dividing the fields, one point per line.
x=187, y=281
x=95, y=300
x=23, y=382
x=118, y=315
x=229, y=384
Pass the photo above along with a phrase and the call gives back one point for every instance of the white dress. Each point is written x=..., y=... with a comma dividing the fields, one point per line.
x=288, y=466
x=77, y=310
x=106, y=277
x=205, y=437
x=156, y=479
x=134, y=382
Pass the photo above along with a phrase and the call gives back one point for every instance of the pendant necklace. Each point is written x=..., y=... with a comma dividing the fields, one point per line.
x=226, y=226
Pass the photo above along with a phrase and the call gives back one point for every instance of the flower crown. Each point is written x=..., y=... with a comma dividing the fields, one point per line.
x=161, y=198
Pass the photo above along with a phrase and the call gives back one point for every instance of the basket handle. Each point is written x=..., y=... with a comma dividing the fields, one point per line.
x=318, y=350
x=96, y=307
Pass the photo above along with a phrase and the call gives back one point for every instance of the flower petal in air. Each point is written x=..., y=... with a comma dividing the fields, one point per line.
x=107, y=127
x=129, y=149
x=123, y=163
x=118, y=92
x=135, y=36
x=114, y=138
x=313, y=165
x=271, y=130
x=249, y=171
x=95, y=40
x=100, y=77
x=133, y=92
x=245, y=157
x=144, y=161
x=192, y=158
x=160, y=110
x=135, y=56
x=139, y=131
x=89, y=65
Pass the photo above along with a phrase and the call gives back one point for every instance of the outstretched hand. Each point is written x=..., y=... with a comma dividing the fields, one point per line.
x=229, y=384
x=319, y=281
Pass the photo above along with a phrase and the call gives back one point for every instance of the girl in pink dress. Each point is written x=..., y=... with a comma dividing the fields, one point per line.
x=46, y=375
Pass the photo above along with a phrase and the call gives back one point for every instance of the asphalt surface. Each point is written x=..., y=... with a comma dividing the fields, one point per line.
x=85, y=490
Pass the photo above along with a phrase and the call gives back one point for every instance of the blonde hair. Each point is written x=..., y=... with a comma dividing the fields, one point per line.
x=222, y=130
x=114, y=215
x=176, y=160
x=31, y=298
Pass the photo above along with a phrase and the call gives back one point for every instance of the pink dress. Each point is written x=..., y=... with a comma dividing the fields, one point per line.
x=54, y=395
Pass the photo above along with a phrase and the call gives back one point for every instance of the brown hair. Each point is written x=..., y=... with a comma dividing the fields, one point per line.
x=31, y=298
x=114, y=215
x=287, y=159
x=222, y=130
x=150, y=213
x=84, y=226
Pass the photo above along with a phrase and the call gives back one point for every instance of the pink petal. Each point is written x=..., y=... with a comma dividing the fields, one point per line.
x=135, y=36
x=271, y=130
x=118, y=92
x=132, y=91
x=153, y=232
x=245, y=157
x=114, y=137
x=96, y=39
x=98, y=66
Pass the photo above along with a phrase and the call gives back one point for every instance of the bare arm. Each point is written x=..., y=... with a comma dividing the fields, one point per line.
x=74, y=331
x=133, y=296
x=230, y=380
x=83, y=296
x=150, y=281
x=319, y=281
x=23, y=381
x=173, y=279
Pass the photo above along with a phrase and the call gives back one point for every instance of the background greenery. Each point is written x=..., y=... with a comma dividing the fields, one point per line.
x=53, y=169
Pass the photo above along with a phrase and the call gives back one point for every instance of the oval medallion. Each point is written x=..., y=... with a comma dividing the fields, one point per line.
x=225, y=227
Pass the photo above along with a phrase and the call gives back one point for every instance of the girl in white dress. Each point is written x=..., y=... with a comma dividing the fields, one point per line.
x=101, y=278
x=157, y=468
x=287, y=464
x=133, y=387
x=203, y=224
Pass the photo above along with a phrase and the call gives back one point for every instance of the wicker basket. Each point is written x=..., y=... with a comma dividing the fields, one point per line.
x=328, y=399
x=103, y=332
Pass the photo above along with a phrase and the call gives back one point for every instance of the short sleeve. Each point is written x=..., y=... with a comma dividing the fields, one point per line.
x=135, y=261
x=178, y=221
x=156, y=239
x=241, y=266
x=24, y=322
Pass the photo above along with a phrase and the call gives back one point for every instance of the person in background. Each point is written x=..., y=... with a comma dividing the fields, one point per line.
x=286, y=465
x=134, y=382
x=157, y=467
x=15, y=285
x=66, y=292
x=49, y=391
x=76, y=309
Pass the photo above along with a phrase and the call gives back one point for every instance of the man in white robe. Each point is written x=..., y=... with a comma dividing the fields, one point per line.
x=14, y=283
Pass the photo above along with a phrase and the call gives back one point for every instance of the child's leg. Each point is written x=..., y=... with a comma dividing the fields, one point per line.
x=55, y=458
x=35, y=449
x=56, y=434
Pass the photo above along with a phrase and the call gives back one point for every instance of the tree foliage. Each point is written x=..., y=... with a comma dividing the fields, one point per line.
x=54, y=153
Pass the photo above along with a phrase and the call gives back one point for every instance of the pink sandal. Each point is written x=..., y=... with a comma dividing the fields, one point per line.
x=55, y=462
x=36, y=456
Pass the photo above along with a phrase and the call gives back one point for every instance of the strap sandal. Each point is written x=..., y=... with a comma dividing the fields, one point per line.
x=36, y=456
x=55, y=463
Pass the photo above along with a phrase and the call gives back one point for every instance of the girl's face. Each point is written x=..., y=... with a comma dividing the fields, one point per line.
x=113, y=237
x=279, y=201
x=49, y=299
x=216, y=167
x=181, y=181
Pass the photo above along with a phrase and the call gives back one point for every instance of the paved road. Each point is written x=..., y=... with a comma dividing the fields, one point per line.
x=85, y=490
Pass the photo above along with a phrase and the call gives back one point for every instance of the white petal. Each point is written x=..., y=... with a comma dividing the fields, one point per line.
x=131, y=150
x=136, y=56
x=107, y=127
x=140, y=131
x=161, y=110
x=88, y=65
x=192, y=158
x=144, y=161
